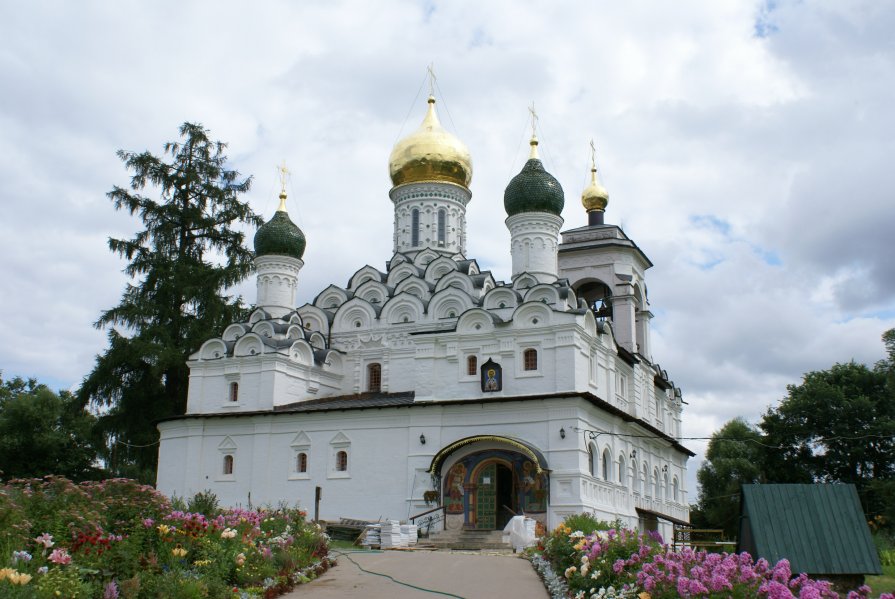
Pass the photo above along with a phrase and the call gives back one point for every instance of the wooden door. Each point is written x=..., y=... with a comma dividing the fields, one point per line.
x=486, y=498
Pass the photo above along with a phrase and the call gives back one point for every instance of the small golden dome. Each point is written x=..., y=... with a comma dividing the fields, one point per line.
x=594, y=197
x=430, y=154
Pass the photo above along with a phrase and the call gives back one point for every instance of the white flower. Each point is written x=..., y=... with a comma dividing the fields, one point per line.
x=577, y=535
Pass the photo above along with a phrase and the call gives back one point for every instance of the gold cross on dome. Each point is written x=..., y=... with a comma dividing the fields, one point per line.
x=593, y=155
x=534, y=118
x=431, y=70
x=284, y=173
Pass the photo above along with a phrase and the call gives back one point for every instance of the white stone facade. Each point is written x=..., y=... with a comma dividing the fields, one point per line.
x=382, y=391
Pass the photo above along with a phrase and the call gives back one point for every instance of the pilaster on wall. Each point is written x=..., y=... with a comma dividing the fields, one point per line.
x=623, y=321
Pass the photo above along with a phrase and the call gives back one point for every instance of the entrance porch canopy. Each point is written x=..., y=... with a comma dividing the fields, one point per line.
x=522, y=447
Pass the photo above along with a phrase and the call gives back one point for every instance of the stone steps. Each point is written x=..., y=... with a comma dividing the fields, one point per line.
x=469, y=540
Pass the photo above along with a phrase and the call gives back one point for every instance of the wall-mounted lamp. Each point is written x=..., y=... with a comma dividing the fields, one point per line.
x=562, y=433
x=665, y=468
x=422, y=439
x=633, y=454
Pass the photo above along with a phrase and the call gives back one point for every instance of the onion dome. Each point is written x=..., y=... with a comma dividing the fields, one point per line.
x=430, y=154
x=533, y=189
x=280, y=236
x=594, y=197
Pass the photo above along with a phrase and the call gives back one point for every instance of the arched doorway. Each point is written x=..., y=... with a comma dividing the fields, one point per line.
x=484, y=488
x=495, y=496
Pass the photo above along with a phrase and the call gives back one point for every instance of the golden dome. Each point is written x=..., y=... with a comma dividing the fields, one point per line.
x=430, y=154
x=594, y=197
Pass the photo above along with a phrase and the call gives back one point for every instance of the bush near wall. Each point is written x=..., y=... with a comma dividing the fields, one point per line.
x=612, y=561
x=120, y=539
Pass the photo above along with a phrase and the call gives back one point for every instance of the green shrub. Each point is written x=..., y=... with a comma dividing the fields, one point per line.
x=205, y=502
x=589, y=524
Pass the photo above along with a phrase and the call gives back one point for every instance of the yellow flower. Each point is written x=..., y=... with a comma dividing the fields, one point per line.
x=5, y=572
x=19, y=578
x=579, y=545
x=178, y=551
x=643, y=595
x=163, y=529
x=201, y=562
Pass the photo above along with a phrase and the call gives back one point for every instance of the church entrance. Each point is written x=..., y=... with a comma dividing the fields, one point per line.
x=495, y=495
x=484, y=489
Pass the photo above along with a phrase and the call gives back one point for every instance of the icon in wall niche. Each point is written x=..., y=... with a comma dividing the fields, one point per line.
x=492, y=376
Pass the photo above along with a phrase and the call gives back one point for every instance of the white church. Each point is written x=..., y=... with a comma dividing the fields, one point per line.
x=430, y=384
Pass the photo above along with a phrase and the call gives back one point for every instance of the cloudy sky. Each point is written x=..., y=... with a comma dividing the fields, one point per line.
x=747, y=148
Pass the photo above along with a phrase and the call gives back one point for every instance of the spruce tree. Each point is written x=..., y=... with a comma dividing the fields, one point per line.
x=181, y=266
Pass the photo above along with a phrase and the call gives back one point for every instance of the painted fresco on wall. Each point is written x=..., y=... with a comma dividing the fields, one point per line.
x=534, y=488
x=453, y=489
x=492, y=376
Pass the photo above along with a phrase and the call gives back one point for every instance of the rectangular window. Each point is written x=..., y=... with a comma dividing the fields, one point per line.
x=414, y=227
x=374, y=377
x=442, y=218
x=472, y=365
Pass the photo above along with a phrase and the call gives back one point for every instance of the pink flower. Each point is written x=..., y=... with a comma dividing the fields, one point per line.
x=46, y=539
x=60, y=556
x=148, y=522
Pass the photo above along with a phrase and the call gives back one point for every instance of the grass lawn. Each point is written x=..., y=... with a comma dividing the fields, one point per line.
x=884, y=583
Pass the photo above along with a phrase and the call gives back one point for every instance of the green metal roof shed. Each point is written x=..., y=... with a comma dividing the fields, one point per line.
x=820, y=529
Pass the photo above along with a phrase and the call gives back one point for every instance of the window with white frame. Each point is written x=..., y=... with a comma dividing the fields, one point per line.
x=301, y=457
x=607, y=465
x=472, y=365
x=340, y=456
x=621, y=385
x=592, y=459
x=530, y=359
x=227, y=469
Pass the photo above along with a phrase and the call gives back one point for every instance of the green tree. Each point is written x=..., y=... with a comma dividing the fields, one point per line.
x=181, y=264
x=42, y=432
x=733, y=458
x=838, y=425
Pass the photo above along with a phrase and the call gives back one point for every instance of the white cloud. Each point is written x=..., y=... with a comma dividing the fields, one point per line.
x=753, y=169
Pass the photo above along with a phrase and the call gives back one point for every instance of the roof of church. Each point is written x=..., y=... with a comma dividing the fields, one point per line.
x=533, y=190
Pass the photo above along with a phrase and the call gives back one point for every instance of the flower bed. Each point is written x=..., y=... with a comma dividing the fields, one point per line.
x=120, y=539
x=617, y=562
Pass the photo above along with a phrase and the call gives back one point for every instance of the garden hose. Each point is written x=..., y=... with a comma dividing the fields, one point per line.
x=406, y=584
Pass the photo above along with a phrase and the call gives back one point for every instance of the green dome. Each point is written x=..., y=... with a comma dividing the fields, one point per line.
x=280, y=236
x=533, y=190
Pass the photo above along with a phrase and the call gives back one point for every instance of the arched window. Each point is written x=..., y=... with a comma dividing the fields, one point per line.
x=591, y=460
x=301, y=462
x=644, y=481
x=622, y=471
x=635, y=477
x=607, y=460
x=675, y=490
x=342, y=461
x=374, y=377
x=414, y=227
x=228, y=464
x=472, y=365
x=442, y=225
x=656, y=494
x=530, y=359
x=667, y=489
x=234, y=391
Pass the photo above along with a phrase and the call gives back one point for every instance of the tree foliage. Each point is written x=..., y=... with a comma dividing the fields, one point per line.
x=42, y=432
x=837, y=425
x=181, y=265
x=733, y=458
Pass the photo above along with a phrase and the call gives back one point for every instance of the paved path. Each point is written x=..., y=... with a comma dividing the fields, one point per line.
x=466, y=575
